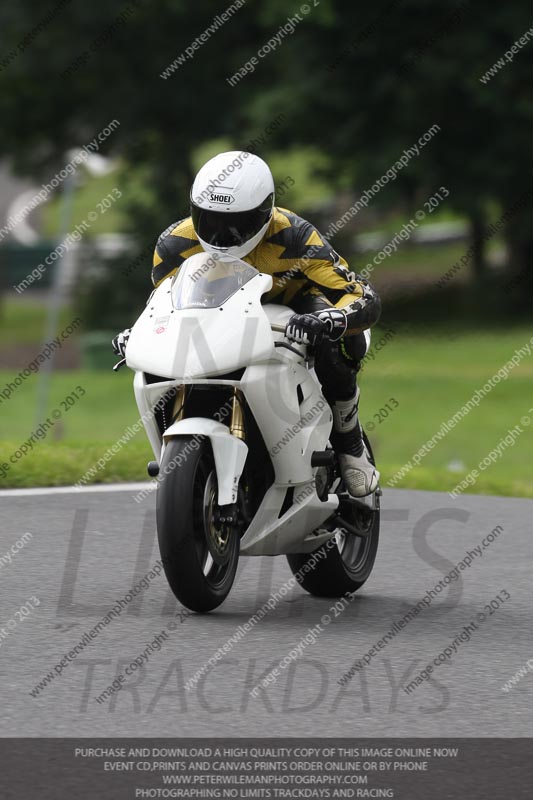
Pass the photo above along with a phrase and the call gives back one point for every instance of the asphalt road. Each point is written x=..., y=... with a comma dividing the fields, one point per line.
x=88, y=549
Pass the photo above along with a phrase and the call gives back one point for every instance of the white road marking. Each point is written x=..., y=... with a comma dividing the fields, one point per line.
x=94, y=489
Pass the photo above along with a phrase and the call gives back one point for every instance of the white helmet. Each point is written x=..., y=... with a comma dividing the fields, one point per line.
x=232, y=199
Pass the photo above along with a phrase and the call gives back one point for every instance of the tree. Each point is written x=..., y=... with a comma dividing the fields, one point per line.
x=361, y=84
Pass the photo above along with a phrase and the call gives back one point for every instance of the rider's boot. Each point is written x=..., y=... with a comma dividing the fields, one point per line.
x=359, y=474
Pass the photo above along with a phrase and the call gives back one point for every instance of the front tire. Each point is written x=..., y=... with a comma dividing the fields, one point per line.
x=199, y=552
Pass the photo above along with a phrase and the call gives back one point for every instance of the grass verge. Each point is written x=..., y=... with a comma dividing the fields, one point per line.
x=425, y=381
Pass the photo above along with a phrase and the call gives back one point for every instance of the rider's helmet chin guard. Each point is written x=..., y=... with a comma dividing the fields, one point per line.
x=232, y=200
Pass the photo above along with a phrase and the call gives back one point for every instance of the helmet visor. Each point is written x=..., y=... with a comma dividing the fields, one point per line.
x=230, y=229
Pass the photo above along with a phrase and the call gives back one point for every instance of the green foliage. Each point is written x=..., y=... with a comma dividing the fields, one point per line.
x=357, y=85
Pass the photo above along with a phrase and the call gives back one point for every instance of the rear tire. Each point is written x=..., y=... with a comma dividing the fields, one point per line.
x=199, y=554
x=344, y=568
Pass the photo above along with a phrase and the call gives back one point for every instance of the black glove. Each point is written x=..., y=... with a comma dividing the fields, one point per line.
x=305, y=329
x=312, y=328
x=120, y=343
x=336, y=322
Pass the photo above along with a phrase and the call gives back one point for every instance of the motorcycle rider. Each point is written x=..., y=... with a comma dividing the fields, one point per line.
x=233, y=212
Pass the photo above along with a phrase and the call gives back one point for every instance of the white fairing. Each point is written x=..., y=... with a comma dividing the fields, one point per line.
x=228, y=451
x=192, y=343
x=190, y=335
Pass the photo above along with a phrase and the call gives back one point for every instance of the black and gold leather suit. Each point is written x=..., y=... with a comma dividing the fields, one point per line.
x=308, y=276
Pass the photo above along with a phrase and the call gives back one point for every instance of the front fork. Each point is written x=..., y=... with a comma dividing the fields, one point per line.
x=229, y=514
x=237, y=415
x=237, y=427
x=178, y=410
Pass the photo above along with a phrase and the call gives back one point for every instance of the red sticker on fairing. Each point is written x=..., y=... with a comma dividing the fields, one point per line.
x=160, y=324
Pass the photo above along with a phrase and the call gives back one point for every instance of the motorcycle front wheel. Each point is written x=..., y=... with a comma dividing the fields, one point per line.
x=199, y=547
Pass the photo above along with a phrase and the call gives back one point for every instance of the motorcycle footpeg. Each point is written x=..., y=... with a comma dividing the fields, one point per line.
x=153, y=469
x=323, y=458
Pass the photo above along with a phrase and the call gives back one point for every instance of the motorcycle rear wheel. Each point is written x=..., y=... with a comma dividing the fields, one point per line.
x=345, y=568
x=199, y=552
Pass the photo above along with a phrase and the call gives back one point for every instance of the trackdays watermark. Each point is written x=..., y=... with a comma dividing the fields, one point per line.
x=310, y=638
x=398, y=625
x=448, y=653
x=141, y=586
x=159, y=685
x=287, y=29
x=262, y=612
x=135, y=664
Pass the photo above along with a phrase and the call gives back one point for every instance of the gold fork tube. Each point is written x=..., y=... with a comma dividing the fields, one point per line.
x=178, y=409
x=237, y=415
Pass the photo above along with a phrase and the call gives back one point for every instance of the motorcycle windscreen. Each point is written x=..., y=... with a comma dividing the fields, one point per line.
x=191, y=329
x=208, y=280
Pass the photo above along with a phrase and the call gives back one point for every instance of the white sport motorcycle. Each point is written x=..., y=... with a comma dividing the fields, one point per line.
x=239, y=427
